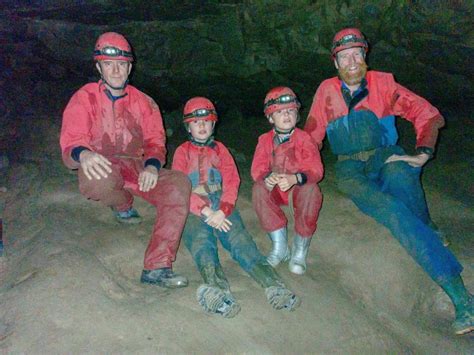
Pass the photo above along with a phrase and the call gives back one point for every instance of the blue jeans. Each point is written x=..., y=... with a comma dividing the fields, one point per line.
x=392, y=194
x=201, y=241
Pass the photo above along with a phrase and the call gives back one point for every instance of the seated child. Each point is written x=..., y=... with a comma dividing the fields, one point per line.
x=215, y=182
x=286, y=169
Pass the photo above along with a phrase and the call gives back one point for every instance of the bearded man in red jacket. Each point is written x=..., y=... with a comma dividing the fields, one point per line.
x=113, y=134
x=357, y=111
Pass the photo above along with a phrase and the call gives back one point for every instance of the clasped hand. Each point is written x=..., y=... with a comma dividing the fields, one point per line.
x=216, y=219
x=284, y=181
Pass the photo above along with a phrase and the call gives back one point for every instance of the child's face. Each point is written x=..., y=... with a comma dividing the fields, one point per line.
x=284, y=120
x=201, y=130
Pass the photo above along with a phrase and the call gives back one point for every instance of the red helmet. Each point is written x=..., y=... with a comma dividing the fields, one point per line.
x=348, y=38
x=280, y=98
x=199, y=108
x=112, y=45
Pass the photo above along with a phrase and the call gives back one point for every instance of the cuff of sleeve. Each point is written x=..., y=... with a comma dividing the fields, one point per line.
x=76, y=152
x=153, y=161
x=425, y=150
x=301, y=179
x=227, y=208
x=265, y=176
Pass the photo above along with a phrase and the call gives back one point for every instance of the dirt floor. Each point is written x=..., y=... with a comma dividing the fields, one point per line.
x=70, y=280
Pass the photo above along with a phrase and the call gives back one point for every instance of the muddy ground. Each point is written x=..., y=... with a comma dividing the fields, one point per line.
x=70, y=276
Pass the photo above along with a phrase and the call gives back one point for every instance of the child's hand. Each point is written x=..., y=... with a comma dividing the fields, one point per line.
x=218, y=221
x=286, y=181
x=271, y=181
x=206, y=211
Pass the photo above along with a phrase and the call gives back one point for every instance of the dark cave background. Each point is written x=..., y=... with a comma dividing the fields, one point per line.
x=233, y=52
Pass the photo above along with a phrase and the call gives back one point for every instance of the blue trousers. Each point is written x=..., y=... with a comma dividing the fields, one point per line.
x=201, y=240
x=392, y=194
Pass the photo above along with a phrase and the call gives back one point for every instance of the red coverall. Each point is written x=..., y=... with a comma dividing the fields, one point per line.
x=297, y=155
x=127, y=131
x=197, y=162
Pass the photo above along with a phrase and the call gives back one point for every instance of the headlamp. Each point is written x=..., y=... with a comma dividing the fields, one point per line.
x=284, y=99
x=202, y=112
x=349, y=39
x=113, y=52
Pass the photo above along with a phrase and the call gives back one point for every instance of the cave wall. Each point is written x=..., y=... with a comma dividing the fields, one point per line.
x=230, y=51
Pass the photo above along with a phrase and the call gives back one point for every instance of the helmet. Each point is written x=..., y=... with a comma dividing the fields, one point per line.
x=112, y=45
x=348, y=38
x=199, y=108
x=280, y=98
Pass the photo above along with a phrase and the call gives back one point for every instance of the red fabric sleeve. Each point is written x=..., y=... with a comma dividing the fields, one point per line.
x=230, y=180
x=75, y=129
x=154, y=138
x=309, y=158
x=261, y=164
x=317, y=121
x=180, y=163
x=425, y=118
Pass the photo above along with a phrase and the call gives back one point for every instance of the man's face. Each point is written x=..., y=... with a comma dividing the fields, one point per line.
x=201, y=130
x=284, y=120
x=351, y=65
x=114, y=72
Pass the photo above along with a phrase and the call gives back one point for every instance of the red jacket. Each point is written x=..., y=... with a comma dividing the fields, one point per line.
x=297, y=155
x=385, y=98
x=130, y=126
x=198, y=162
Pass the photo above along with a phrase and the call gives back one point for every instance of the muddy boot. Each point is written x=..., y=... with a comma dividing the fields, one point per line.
x=164, y=277
x=278, y=295
x=463, y=303
x=214, y=295
x=280, y=251
x=214, y=300
x=129, y=216
x=214, y=275
x=299, y=251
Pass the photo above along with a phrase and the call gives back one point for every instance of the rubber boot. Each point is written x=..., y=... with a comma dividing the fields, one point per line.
x=214, y=295
x=278, y=295
x=280, y=251
x=299, y=251
x=463, y=303
x=214, y=275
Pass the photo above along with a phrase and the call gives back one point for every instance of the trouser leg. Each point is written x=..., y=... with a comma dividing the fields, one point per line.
x=240, y=243
x=307, y=201
x=403, y=181
x=110, y=190
x=170, y=196
x=267, y=206
x=419, y=240
x=201, y=242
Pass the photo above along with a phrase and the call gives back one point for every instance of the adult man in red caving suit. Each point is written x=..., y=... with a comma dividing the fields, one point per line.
x=113, y=134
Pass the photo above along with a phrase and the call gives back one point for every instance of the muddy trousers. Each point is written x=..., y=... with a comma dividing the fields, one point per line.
x=201, y=241
x=392, y=194
x=170, y=197
x=306, y=201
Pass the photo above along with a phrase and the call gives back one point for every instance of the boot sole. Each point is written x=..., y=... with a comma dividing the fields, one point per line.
x=163, y=284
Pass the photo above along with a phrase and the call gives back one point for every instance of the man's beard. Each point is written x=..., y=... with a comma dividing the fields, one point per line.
x=353, y=78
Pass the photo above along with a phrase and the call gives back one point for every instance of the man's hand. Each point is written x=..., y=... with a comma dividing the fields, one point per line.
x=216, y=219
x=286, y=181
x=271, y=181
x=94, y=165
x=148, y=178
x=416, y=161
